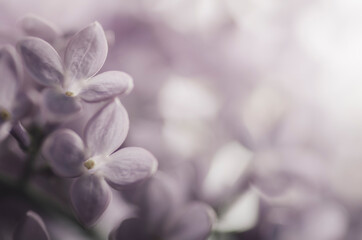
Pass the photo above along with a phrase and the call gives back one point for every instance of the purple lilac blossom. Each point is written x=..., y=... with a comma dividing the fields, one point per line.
x=98, y=160
x=72, y=80
x=285, y=84
x=163, y=215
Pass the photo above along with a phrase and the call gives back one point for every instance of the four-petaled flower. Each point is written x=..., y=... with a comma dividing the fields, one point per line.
x=163, y=216
x=72, y=80
x=97, y=161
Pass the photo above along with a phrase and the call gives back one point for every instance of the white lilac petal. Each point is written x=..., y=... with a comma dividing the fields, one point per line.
x=31, y=227
x=39, y=27
x=10, y=76
x=106, y=85
x=42, y=61
x=58, y=103
x=128, y=166
x=194, y=222
x=86, y=52
x=64, y=150
x=107, y=129
x=90, y=196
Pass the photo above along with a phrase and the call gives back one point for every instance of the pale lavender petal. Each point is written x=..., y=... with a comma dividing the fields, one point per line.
x=86, y=52
x=107, y=129
x=42, y=61
x=194, y=222
x=10, y=76
x=106, y=85
x=129, y=165
x=163, y=196
x=58, y=103
x=39, y=27
x=64, y=151
x=5, y=128
x=23, y=105
x=31, y=227
x=130, y=229
x=90, y=196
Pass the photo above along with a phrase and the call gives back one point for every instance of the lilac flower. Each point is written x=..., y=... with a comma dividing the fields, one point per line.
x=194, y=222
x=72, y=80
x=31, y=227
x=161, y=216
x=10, y=76
x=97, y=161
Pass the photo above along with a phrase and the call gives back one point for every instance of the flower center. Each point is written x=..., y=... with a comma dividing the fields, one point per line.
x=89, y=164
x=4, y=115
x=69, y=94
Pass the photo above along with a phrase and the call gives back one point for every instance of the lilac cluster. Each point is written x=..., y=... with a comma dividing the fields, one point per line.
x=251, y=116
x=70, y=126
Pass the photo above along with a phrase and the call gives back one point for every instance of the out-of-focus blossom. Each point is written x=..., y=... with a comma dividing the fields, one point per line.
x=162, y=215
x=31, y=227
x=38, y=27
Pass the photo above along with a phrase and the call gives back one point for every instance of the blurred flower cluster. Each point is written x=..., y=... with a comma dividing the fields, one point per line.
x=180, y=120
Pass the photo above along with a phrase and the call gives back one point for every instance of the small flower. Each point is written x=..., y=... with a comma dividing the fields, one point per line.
x=10, y=76
x=97, y=161
x=72, y=80
x=161, y=218
x=31, y=227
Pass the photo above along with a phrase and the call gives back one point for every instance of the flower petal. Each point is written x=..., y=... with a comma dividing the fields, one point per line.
x=130, y=229
x=106, y=85
x=107, y=129
x=39, y=27
x=90, y=197
x=162, y=196
x=86, y=52
x=129, y=165
x=5, y=128
x=42, y=61
x=64, y=151
x=194, y=222
x=31, y=227
x=58, y=103
x=10, y=72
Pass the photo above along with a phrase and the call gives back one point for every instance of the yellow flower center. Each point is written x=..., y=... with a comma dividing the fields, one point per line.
x=69, y=93
x=4, y=115
x=89, y=164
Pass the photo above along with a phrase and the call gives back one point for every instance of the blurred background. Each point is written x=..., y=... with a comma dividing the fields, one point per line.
x=252, y=106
